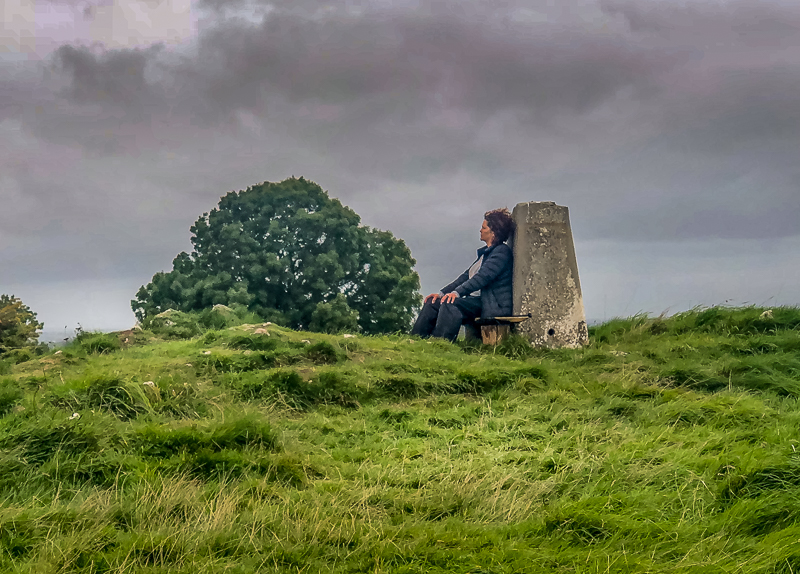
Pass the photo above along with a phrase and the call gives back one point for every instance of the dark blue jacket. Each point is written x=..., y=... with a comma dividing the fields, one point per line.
x=494, y=280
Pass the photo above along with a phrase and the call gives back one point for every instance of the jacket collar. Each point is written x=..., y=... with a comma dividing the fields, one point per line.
x=485, y=249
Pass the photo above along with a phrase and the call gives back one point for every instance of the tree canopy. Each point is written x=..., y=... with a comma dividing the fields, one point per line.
x=19, y=328
x=283, y=250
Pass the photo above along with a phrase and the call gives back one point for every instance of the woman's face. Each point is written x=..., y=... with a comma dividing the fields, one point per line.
x=487, y=236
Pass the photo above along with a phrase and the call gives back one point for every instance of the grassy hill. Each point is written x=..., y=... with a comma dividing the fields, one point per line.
x=667, y=445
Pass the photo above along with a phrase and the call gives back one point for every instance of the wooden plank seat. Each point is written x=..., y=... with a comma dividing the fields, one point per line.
x=495, y=329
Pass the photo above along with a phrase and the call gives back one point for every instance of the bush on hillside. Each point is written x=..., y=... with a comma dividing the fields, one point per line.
x=17, y=356
x=97, y=343
x=222, y=317
x=174, y=324
x=335, y=316
x=19, y=328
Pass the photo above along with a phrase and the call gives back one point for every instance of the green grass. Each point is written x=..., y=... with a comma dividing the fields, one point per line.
x=666, y=445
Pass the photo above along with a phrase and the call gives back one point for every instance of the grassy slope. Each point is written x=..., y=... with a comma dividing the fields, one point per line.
x=665, y=446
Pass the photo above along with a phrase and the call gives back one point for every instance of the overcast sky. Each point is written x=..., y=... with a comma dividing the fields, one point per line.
x=670, y=128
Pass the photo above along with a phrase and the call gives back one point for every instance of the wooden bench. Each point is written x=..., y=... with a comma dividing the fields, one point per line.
x=495, y=329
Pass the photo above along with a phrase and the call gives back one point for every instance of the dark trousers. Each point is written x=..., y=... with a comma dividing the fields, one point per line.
x=444, y=321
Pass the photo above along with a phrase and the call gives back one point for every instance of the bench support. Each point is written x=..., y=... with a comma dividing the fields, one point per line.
x=495, y=329
x=494, y=334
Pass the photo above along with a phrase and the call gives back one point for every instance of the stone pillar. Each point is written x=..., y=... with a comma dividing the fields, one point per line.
x=546, y=281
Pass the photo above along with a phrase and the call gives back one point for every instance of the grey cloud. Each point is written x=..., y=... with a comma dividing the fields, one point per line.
x=749, y=108
x=648, y=134
x=79, y=228
x=750, y=22
x=21, y=89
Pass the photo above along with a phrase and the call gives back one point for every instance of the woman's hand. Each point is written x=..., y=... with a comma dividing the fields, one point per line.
x=432, y=298
x=450, y=297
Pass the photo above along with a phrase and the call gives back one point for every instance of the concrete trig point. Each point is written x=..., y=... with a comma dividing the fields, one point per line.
x=546, y=281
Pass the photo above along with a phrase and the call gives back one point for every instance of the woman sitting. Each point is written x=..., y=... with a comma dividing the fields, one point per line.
x=482, y=290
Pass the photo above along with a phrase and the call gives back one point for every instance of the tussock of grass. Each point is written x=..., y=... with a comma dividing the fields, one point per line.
x=104, y=391
x=666, y=445
x=97, y=342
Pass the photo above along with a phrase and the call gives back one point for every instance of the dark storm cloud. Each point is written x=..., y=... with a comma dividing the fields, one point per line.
x=115, y=78
x=371, y=68
x=417, y=63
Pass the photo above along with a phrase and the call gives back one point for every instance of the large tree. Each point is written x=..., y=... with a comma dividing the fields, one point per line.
x=283, y=249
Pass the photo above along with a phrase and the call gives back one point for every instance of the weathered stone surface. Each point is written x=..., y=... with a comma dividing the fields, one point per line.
x=546, y=283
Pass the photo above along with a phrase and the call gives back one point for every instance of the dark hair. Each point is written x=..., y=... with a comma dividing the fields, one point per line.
x=500, y=223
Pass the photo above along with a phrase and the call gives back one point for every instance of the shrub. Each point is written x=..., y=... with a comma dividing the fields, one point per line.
x=173, y=324
x=97, y=342
x=334, y=317
x=19, y=328
x=17, y=356
x=217, y=317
